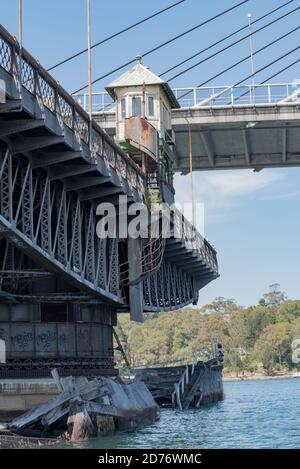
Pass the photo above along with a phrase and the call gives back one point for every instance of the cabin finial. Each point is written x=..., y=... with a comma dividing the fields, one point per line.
x=139, y=58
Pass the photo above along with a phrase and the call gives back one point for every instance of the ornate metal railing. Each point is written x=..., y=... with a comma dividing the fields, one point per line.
x=194, y=241
x=29, y=74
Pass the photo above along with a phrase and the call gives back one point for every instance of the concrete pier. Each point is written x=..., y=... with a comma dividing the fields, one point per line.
x=20, y=395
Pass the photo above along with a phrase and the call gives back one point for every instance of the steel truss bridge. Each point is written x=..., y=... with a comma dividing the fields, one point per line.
x=55, y=168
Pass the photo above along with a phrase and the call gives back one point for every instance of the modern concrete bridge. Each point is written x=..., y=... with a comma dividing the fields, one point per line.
x=232, y=127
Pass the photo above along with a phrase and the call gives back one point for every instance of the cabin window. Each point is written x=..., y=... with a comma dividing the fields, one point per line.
x=136, y=106
x=150, y=106
x=123, y=108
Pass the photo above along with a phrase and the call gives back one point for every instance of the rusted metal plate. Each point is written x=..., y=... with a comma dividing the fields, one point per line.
x=140, y=134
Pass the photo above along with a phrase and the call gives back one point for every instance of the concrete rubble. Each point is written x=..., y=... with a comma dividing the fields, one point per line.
x=85, y=409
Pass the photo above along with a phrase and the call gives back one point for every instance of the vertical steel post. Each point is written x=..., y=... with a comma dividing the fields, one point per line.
x=252, y=94
x=191, y=171
x=20, y=39
x=20, y=23
x=144, y=101
x=89, y=69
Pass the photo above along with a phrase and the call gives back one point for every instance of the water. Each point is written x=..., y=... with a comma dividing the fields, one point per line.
x=255, y=414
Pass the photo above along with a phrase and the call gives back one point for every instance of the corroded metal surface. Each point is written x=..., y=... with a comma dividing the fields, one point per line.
x=163, y=381
x=37, y=368
x=140, y=134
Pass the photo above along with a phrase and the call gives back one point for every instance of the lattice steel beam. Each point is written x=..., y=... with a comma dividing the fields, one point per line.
x=57, y=226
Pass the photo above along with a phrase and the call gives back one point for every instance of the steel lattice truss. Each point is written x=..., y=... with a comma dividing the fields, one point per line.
x=46, y=221
x=57, y=225
x=161, y=295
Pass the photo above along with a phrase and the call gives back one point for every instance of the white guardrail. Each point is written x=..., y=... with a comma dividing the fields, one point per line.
x=212, y=96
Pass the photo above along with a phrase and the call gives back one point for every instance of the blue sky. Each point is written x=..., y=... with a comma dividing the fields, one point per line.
x=252, y=218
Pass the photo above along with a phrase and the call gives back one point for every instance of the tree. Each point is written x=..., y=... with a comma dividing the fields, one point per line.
x=274, y=297
x=220, y=305
x=288, y=311
x=251, y=336
x=235, y=351
x=256, y=319
x=273, y=347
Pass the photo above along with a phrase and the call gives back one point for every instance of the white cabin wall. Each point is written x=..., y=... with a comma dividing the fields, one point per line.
x=156, y=120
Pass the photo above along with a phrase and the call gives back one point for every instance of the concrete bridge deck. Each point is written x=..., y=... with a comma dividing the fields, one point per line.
x=232, y=127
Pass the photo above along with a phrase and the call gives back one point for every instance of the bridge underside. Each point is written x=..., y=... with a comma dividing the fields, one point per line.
x=232, y=137
x=238, y=137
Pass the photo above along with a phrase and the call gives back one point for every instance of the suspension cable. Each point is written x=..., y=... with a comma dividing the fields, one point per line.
x=154, y=49
x=246, y=58
x=280, y=71
x=225, y=38
x=257, y=71
x=232, y=44
x=128, y=28
x=270, y=77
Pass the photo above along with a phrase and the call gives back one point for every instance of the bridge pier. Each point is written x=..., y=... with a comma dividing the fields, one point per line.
x=75, y=338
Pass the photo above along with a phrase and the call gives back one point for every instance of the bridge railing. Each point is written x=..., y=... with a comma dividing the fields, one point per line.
x=101, y=102
x=214, y=96
x=193, y=240
x=28, y=73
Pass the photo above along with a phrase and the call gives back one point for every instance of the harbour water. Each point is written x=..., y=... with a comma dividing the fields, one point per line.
x=254, y=414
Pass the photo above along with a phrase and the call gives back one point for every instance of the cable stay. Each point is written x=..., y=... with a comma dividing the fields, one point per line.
x=169, y=41
x=251, y=75
x=241, y=61
x=211, y=46
x=112, y=36
x=229, y=46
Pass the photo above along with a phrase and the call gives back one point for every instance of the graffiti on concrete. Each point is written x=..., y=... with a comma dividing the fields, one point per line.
x=46, y=340
x=22, y=340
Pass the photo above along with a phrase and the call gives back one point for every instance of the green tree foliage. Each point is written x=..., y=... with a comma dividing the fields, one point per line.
x=256, y=319
x=220, y=305
x=257, y=337
x=288, y=311
x=274, y=346
x=274, y=297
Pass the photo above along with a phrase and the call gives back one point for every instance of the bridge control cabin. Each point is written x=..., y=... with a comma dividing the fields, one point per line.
x=144, y=103
x=143, y=129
